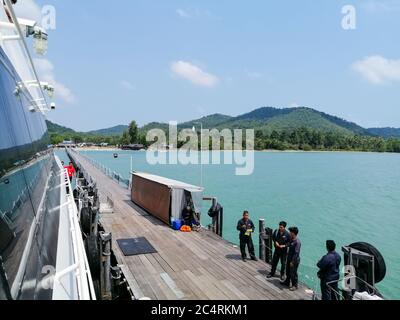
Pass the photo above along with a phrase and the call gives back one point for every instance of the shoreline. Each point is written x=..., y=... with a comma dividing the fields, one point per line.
x=261, y=151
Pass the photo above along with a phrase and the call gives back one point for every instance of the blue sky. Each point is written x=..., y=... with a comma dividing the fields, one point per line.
x=161, y=60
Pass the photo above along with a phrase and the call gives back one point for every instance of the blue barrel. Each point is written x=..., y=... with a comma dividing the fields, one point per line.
x=176, y=224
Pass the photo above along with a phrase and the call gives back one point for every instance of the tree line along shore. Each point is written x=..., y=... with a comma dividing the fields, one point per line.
x=301, y=139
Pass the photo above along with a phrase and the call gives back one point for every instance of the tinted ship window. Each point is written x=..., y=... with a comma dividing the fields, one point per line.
x=24, y=170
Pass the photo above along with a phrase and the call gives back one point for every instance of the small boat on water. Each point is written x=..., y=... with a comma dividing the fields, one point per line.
x=116, y=155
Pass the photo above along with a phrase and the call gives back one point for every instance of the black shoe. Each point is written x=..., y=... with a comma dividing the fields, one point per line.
x=254, y=259
x=284, y=283
x=270, y=275
x=282, y=277
x=244, y=259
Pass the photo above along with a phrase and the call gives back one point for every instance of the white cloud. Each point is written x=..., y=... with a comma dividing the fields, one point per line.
x=378, y=70
x=183, y=13
x=28, y=9
x=294, y=105
x=194, y=74
x=46, y=73
x=127, y=85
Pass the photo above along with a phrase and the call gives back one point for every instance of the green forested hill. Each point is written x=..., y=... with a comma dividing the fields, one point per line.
x=268, y=119
x=56, y=128
x=299, y=118
x=385, y=132
x=208, y=122
x=113, y=131
x=288, y=128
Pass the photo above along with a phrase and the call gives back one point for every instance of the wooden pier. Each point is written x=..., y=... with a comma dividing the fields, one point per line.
x=187, y=266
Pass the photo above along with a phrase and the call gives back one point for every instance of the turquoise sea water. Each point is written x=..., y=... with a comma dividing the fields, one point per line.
x=347, y=197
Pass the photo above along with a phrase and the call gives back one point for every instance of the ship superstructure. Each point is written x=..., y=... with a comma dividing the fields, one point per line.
x=42, y=253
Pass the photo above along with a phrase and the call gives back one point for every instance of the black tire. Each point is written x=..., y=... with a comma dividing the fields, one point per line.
x=97, y=290
x=379, y=265
x=86, y=220
x=93, y=255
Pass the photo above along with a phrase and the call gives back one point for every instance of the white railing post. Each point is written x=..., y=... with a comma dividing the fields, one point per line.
x=84, y=279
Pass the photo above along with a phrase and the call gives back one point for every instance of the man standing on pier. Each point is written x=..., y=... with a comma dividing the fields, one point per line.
x=71, y=171
x=246, y=228
x=281, y=239
x=329, y=272
x=293, y=260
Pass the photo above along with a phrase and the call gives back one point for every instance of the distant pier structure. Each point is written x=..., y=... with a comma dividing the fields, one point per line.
x=133, y=147
x=180, y=266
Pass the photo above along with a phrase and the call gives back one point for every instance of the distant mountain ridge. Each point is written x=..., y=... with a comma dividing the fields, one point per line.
x=56, y=128
x=266, y=119
x=113, y=131
x=210, y=121
x=385, y=132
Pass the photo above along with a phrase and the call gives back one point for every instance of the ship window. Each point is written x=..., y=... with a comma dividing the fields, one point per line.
x=22, y=173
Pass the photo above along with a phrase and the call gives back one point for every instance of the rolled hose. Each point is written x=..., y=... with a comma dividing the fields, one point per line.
x=214, y=210
x=379, y=262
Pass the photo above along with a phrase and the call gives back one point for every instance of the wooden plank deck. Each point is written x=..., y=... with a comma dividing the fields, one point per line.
x=189, y=266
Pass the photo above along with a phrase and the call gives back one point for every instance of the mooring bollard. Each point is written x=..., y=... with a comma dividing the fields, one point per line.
x=268, y=244
x=261, y=227
x=105, y=265
x=221, y=221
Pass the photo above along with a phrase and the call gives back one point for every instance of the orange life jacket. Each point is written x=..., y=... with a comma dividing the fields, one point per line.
x=186, y=229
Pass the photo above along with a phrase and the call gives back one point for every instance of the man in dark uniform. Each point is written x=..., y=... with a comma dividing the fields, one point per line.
x=293, y=260
x=246, y=228
x=329, y=272
x=281, y=239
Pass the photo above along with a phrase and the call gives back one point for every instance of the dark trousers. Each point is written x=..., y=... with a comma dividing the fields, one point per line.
x=281, y=255
x=291, y=274
x=246, y=241
x=329, y=292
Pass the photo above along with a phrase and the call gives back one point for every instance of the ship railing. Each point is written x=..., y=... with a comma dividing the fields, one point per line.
x=81, y=267
x=114, y=175
x=106, y=199
x=12, y=40
x=4, y=216
x=345, y=291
